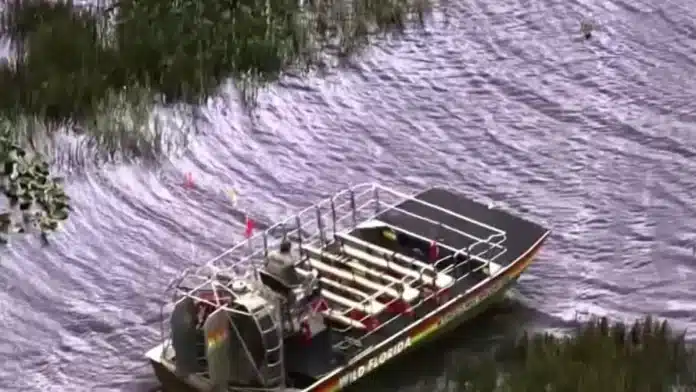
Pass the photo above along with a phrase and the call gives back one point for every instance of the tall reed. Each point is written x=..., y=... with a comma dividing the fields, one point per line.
x=600, y=357
x=71, y=64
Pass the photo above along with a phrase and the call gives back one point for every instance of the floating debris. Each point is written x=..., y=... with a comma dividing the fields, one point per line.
x=232, y=194
x=586, y=28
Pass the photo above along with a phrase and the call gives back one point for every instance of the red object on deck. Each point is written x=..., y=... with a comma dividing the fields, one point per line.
x=306, y=332
x=319, y=305
x=249, y=227
x=434, y=251
x=370, y=322
x=400, y=307
x=442, y=296
x=437, y=296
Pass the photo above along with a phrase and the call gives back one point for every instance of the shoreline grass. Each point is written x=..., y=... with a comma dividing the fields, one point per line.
x=601, y=356
x=78, y=68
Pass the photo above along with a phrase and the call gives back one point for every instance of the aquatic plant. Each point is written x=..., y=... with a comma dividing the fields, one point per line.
x=35, y=201
x=601, y=356
x=71, y=63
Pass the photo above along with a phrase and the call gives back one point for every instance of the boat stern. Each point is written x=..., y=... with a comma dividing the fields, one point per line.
x=161, y=358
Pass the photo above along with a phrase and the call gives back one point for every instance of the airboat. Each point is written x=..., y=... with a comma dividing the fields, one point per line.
x=324, y=298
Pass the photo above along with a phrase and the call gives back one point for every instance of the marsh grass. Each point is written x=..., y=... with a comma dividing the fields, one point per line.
x=69, y=59
x=601, y=357
x=105, y=72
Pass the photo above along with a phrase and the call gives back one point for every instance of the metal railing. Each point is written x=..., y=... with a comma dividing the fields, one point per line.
x=321, y=225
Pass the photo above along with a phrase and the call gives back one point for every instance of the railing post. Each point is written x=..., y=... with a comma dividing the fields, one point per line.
x=320, y=226
x=333, y=217
x=251, y=257
x=265, y=245
x=298, y=224
x=376, y=200
x=281, y=354
x=438, y=230
x=352, y=208
x=283, y=231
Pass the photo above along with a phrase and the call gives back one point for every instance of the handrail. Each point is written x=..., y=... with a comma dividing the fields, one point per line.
x=444, y=226
x=284, y=222
x=366, y=188
x=441, y=209
x=450, y=248
x=217, y=270
x=371, y=187
x=319, y=225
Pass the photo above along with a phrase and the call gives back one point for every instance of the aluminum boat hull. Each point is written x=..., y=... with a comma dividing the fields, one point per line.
x=436, y=215
x=444, y=319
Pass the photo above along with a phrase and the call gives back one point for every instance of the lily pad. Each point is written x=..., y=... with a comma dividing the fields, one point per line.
x=60, y=215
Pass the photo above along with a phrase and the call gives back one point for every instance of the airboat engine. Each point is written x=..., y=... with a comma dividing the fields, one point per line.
x=230, y=331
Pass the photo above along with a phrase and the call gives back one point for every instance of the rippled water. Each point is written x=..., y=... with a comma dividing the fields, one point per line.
x=504, y=100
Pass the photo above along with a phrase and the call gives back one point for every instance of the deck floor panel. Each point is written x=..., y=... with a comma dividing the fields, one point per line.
x=521, y=236
x=521, y=233
x=314, y=360
x=308, y=361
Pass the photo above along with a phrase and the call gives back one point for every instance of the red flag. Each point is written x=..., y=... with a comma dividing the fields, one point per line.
x=188, y=180
x=434, y=251
x=249, y=227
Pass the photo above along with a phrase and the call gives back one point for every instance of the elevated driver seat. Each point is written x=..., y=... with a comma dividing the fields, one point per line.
x=282, y=276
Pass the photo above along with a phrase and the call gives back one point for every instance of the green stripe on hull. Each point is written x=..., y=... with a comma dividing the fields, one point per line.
x=466, y=307
x=468, y=315
x=448, y=327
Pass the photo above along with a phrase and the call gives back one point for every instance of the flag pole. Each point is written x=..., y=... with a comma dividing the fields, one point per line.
x=248, y=230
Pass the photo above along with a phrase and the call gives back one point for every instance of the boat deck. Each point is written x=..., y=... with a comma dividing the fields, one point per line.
x=520, y=234
x=457, y=224
x=383, y=260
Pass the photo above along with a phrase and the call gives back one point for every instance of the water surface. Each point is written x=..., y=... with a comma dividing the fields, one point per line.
x=504, y=100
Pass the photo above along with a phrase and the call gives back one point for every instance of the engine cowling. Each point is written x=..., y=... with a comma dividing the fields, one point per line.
x=233, y=332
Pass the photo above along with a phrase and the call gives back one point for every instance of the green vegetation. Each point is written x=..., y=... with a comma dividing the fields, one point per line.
x=72, y=66
x=601, y=357
x=37, y=200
